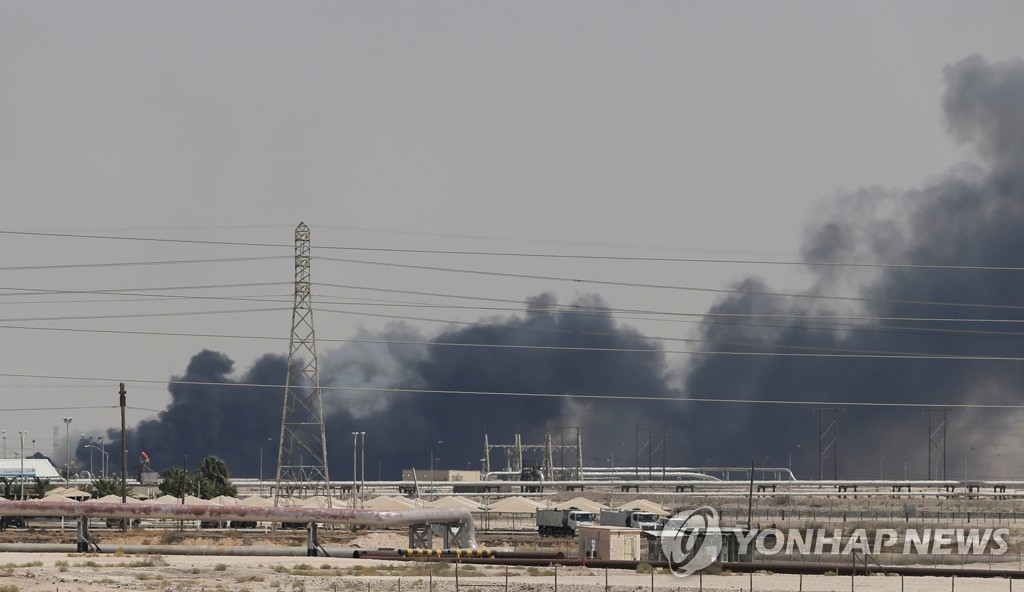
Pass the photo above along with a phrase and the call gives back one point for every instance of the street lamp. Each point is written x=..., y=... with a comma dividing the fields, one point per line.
x=67, y=436
x=5, y=442
x=269, y=439
x=439, y=442
x=91, y=473
x=103, y=458
x=22, y=434
x=355, y=449
x=970, y=450
x=362, y=467
x=881, y=467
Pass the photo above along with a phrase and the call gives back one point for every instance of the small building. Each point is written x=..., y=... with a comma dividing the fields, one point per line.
x=19, y=476
x=439, y=475
x=41, y=468
x=609, y=542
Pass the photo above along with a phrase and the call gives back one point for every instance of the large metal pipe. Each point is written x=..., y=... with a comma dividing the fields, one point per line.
x=223, y=513
x=234, y=551
x=773, y=566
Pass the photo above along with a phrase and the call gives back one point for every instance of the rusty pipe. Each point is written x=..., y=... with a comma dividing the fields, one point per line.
x=227, y=551
x=223, y=513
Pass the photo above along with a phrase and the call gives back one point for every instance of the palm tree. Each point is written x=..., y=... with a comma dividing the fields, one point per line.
x=214, y=478
x=40, y=487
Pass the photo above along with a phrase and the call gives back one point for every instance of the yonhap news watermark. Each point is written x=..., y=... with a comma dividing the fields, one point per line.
x=693, y=540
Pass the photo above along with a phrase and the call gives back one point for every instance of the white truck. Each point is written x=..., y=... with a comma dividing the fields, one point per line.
x=565, y=522
x=635, y=518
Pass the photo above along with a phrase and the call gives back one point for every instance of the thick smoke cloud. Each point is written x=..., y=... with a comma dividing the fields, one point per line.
x=210, y=415
x=972, y=216
x=402, y=427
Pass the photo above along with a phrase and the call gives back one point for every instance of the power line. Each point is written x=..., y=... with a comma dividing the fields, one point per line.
x=667, y=286
x=135, y=263
x=585, y=396
x=511, y=254
x=567, y=279
x=807, y=351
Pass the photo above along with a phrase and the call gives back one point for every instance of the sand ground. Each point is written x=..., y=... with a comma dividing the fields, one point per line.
x=25, y=572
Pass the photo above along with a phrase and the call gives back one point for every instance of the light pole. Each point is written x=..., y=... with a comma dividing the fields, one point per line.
x=362, y=467
x=5, y=442
x=355, y=449
x=881, y=467
x=969, y=450
x=103, y=458
x=67, y=436
x=22, y=434
x=439, y=442
x=261, y=463
x=791, y=459
x=91, y=473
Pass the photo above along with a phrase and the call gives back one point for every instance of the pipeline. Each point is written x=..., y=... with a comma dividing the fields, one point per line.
x=225, y=513
x=842, y=569
x=458, y=553
x=845, y=569
x=232, y=551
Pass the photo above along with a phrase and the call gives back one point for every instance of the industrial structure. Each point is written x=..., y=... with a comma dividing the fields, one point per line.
x=302, y=448
x=515, y=464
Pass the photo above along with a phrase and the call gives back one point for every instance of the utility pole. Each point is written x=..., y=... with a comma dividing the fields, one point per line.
x=124, y=458
x=124, y=453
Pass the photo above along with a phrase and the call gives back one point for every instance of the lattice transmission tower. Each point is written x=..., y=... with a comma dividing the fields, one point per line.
x=302, y=451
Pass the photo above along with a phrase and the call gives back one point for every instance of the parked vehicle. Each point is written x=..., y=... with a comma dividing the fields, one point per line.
x=12, y=522
x=635, y=518
x=565, y=522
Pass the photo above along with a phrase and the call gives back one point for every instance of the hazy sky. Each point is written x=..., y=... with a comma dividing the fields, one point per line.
x=671, y=129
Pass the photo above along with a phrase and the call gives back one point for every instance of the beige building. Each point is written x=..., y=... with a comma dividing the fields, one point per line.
x=609, y=542
x=425, y=475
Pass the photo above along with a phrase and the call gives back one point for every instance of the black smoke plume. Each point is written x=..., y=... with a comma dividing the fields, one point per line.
x=971, y=216
x=219, y=417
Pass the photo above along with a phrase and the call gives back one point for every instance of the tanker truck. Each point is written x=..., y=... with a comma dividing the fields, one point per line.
x=565, y=522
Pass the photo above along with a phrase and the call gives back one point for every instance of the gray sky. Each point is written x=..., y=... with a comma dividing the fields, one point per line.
x=658, y=129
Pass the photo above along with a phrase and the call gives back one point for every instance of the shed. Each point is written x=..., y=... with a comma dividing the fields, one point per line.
x=609, y=542
x=645, y=505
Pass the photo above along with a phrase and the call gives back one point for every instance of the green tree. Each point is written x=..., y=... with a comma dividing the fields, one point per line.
x=102, y=487
x=40, y=487
x=176, y=483
x=214, y=478
x=211, y=480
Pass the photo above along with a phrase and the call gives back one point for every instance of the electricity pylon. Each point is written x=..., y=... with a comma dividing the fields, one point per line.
x=302, y=449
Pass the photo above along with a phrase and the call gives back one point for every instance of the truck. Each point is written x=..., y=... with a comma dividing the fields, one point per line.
x=565, y=522
x=635, y=518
